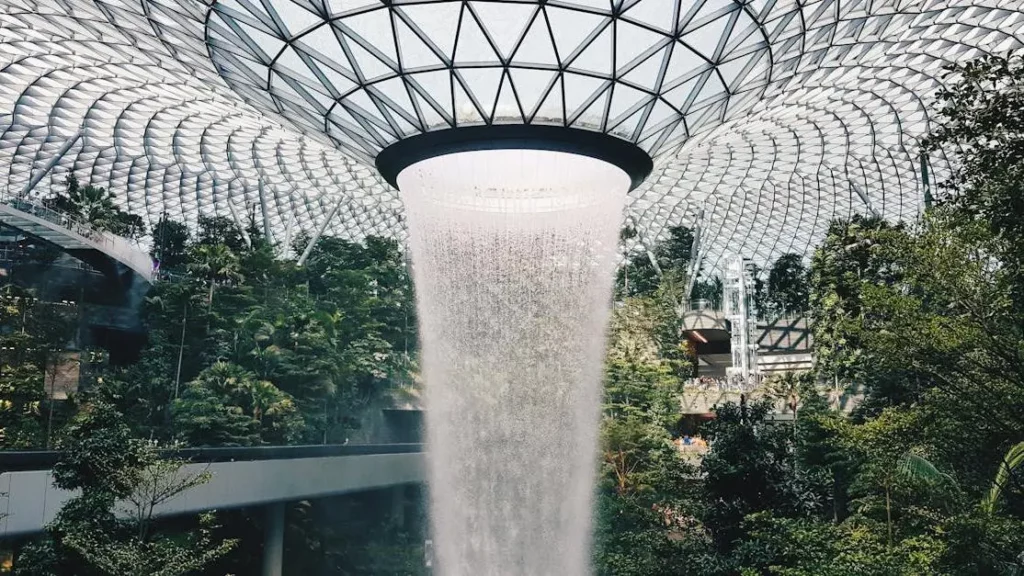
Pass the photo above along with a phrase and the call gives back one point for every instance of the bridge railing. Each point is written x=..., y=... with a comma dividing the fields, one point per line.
x=117, y=247
x=19, y=461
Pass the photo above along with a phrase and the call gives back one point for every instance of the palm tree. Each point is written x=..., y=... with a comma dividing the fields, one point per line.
x=789, y=387
x=216, y=264
x=1012, y=463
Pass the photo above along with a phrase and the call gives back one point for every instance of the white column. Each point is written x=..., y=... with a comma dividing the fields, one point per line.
x=273, y=540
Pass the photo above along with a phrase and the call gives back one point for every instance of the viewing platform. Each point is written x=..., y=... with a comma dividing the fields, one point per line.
x=107, y=252
x=241, y=477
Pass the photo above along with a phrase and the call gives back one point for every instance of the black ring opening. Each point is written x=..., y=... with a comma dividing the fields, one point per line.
x=404, y=153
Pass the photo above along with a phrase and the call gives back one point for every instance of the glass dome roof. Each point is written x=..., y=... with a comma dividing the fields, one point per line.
x=648, y=71
x=766, y=118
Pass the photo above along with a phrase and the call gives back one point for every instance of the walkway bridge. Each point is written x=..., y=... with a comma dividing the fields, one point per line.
x=701, y=398
x=104, y=251
x=784, y=343
x=241, y=477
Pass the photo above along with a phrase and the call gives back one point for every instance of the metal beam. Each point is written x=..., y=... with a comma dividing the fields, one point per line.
x=38, y=177
x=263, y=209
x=288, y=236
x=695, y=256
x=238, y=222
x=320, y=232
x=864, y=198
x=273, y=540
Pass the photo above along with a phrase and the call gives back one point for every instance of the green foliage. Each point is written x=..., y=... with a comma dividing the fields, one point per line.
x=854, y=254
x=642, y=273
x=33, y=336
x=227, y=405
x=750, y=469
x=96, y=207
x=106, y=464
x=787, y=290
x=977, y=122
x=170, y=243
x=1010, y=466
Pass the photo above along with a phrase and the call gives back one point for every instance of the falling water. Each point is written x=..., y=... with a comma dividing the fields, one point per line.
x=513, y=264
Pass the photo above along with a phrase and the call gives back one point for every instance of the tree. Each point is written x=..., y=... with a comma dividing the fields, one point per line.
x=748, y=470
x=102, y=461
x=34, y=338
x=214, y=264
x=855, y=253
x=227, y=405
x=96, y=206
x=642, y=273
x=788, y=291
x=981, y=109
x=170, y=243
x=217, y=230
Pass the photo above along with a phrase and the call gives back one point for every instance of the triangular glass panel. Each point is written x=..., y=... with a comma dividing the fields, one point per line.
x=711, y=91
x=682, y=65
x=734, y=72
x=744, y=40
x=484, y=84
x=593, y=116
x=360, y=103
x=269, y=45
x=429, y=116
x=392, y=92
x=374, y=28
x=289, y=61
x=632, y=41
x=298, y=19
x=466, y=112
x=504, y=22
x=660, y=14
x=579, y=89
x=625, y=99
x=627, y=127
x=570, y=28
x=706, y=39
x=506, y=109
x=438, y=22
x=324, y=45
x=473, y=47
x=537, y=47
x=646, y=74
x=681, y=95
x=597, y=57
x=436, y=86
x=340, y=82
x=414, y=52
x=551, y=110
x=532, y=86
x=369, y=65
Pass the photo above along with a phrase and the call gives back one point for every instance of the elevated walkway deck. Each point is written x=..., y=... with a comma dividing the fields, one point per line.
x=242, y=477
x=98, y=248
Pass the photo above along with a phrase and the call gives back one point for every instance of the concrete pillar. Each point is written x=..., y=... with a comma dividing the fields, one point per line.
x=273, y=540
x=398, y=506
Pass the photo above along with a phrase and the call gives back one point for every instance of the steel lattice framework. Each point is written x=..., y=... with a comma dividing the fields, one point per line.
x=766, y=119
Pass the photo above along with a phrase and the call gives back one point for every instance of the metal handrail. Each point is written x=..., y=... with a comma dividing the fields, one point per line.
x=702, y=304
x=118, y=247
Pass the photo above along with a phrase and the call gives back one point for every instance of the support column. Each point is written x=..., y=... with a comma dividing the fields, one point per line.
x=273, y=540
x=320, y=231
x=266, y=217
x=398, y=506
x=51, y=163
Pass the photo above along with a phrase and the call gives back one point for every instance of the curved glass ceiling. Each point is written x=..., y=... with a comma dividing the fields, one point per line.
x=649, y=71
x=766, y=118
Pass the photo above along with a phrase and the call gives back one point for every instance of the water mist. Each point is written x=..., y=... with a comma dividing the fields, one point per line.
x=513, y=262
